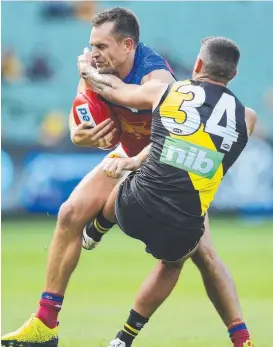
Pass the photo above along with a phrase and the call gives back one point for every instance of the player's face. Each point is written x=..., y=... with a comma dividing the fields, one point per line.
x=107, y=52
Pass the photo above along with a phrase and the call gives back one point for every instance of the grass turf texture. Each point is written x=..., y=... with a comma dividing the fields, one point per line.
x=104, y=285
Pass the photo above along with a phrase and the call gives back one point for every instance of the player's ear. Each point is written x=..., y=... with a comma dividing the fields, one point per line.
x=233, y=75
x=128, y=44
x=198, y=65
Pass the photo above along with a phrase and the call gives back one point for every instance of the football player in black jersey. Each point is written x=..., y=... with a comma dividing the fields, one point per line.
x=199, y=129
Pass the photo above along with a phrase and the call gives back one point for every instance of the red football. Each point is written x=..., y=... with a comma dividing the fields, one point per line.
x=88, y=107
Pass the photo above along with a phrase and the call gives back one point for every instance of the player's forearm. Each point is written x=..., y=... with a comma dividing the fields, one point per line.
x=112, y=88
x=142, y=156
x=72, y=125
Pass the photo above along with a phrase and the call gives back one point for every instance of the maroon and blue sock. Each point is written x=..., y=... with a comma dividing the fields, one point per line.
x=50, y=306
x=239, y=334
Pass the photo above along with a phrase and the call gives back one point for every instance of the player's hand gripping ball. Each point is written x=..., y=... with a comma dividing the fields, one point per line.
x=98, y=126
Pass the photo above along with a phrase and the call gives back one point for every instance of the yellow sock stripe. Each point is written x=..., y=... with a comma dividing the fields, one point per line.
x=99, y=228
x=127, y=332
x=132, y=329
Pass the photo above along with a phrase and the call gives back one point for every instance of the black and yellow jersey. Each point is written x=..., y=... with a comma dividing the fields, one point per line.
x=198, y=132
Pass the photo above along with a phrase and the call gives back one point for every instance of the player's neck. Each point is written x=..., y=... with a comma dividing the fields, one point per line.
x=209, y=80
x=127, y=66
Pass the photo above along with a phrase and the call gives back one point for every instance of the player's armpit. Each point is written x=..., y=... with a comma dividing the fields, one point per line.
x=251, y=119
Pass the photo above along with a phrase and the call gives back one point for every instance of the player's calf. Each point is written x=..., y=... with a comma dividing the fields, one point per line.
x=221, y=289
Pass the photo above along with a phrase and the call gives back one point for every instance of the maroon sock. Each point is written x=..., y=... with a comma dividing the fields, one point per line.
x=50, y=306
x=239, y=334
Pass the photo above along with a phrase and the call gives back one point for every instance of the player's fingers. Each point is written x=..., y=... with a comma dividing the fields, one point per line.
x=106, y=163
x=101, y=133
x=81, y=62
x=113, y=165
x=120, y=168
x=109, y=137
x=106, y=167
x=85, y=125
x=88, y=129
x=87, y=55
x=102, y=124
x=80, y=58
x=113, y=168
x=93, y=61
x=103, y=142
x=82, y=137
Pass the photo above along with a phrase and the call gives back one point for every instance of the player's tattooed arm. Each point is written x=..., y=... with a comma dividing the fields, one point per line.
x=112, y=88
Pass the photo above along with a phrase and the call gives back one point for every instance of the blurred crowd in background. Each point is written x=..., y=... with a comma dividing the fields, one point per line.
x=40, y=45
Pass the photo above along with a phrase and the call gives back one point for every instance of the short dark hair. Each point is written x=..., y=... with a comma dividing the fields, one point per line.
x=126, y=23
x=220, y=56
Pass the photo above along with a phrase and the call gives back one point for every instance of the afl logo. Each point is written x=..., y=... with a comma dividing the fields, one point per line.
x=177, y=131
x=226, y=146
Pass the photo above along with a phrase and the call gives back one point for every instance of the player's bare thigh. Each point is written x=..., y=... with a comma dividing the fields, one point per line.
x=90, y=195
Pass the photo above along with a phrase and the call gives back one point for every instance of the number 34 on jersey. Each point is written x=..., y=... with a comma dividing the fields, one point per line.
x=195, y=114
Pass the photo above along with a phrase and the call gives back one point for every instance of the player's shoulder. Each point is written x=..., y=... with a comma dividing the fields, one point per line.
x=250, y=112
x=151, y=60
x=148, y=53
x=251, y=119
x=146, y=63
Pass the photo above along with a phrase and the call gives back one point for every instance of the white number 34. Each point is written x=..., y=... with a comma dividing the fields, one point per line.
x=193, y=97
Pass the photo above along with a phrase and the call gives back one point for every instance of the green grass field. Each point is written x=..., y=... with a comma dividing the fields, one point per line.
x=104, y=285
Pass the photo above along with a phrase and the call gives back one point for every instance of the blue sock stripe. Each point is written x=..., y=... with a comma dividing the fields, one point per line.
x=237, y=327
x=52, y=297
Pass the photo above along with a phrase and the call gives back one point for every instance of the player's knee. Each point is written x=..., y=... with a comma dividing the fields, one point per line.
x=69, y=215
x=204, y=255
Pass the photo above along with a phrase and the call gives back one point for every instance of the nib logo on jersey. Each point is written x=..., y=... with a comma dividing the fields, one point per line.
x=190, y=157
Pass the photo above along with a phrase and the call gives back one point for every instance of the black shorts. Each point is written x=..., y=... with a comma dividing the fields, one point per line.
x=162, y=241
